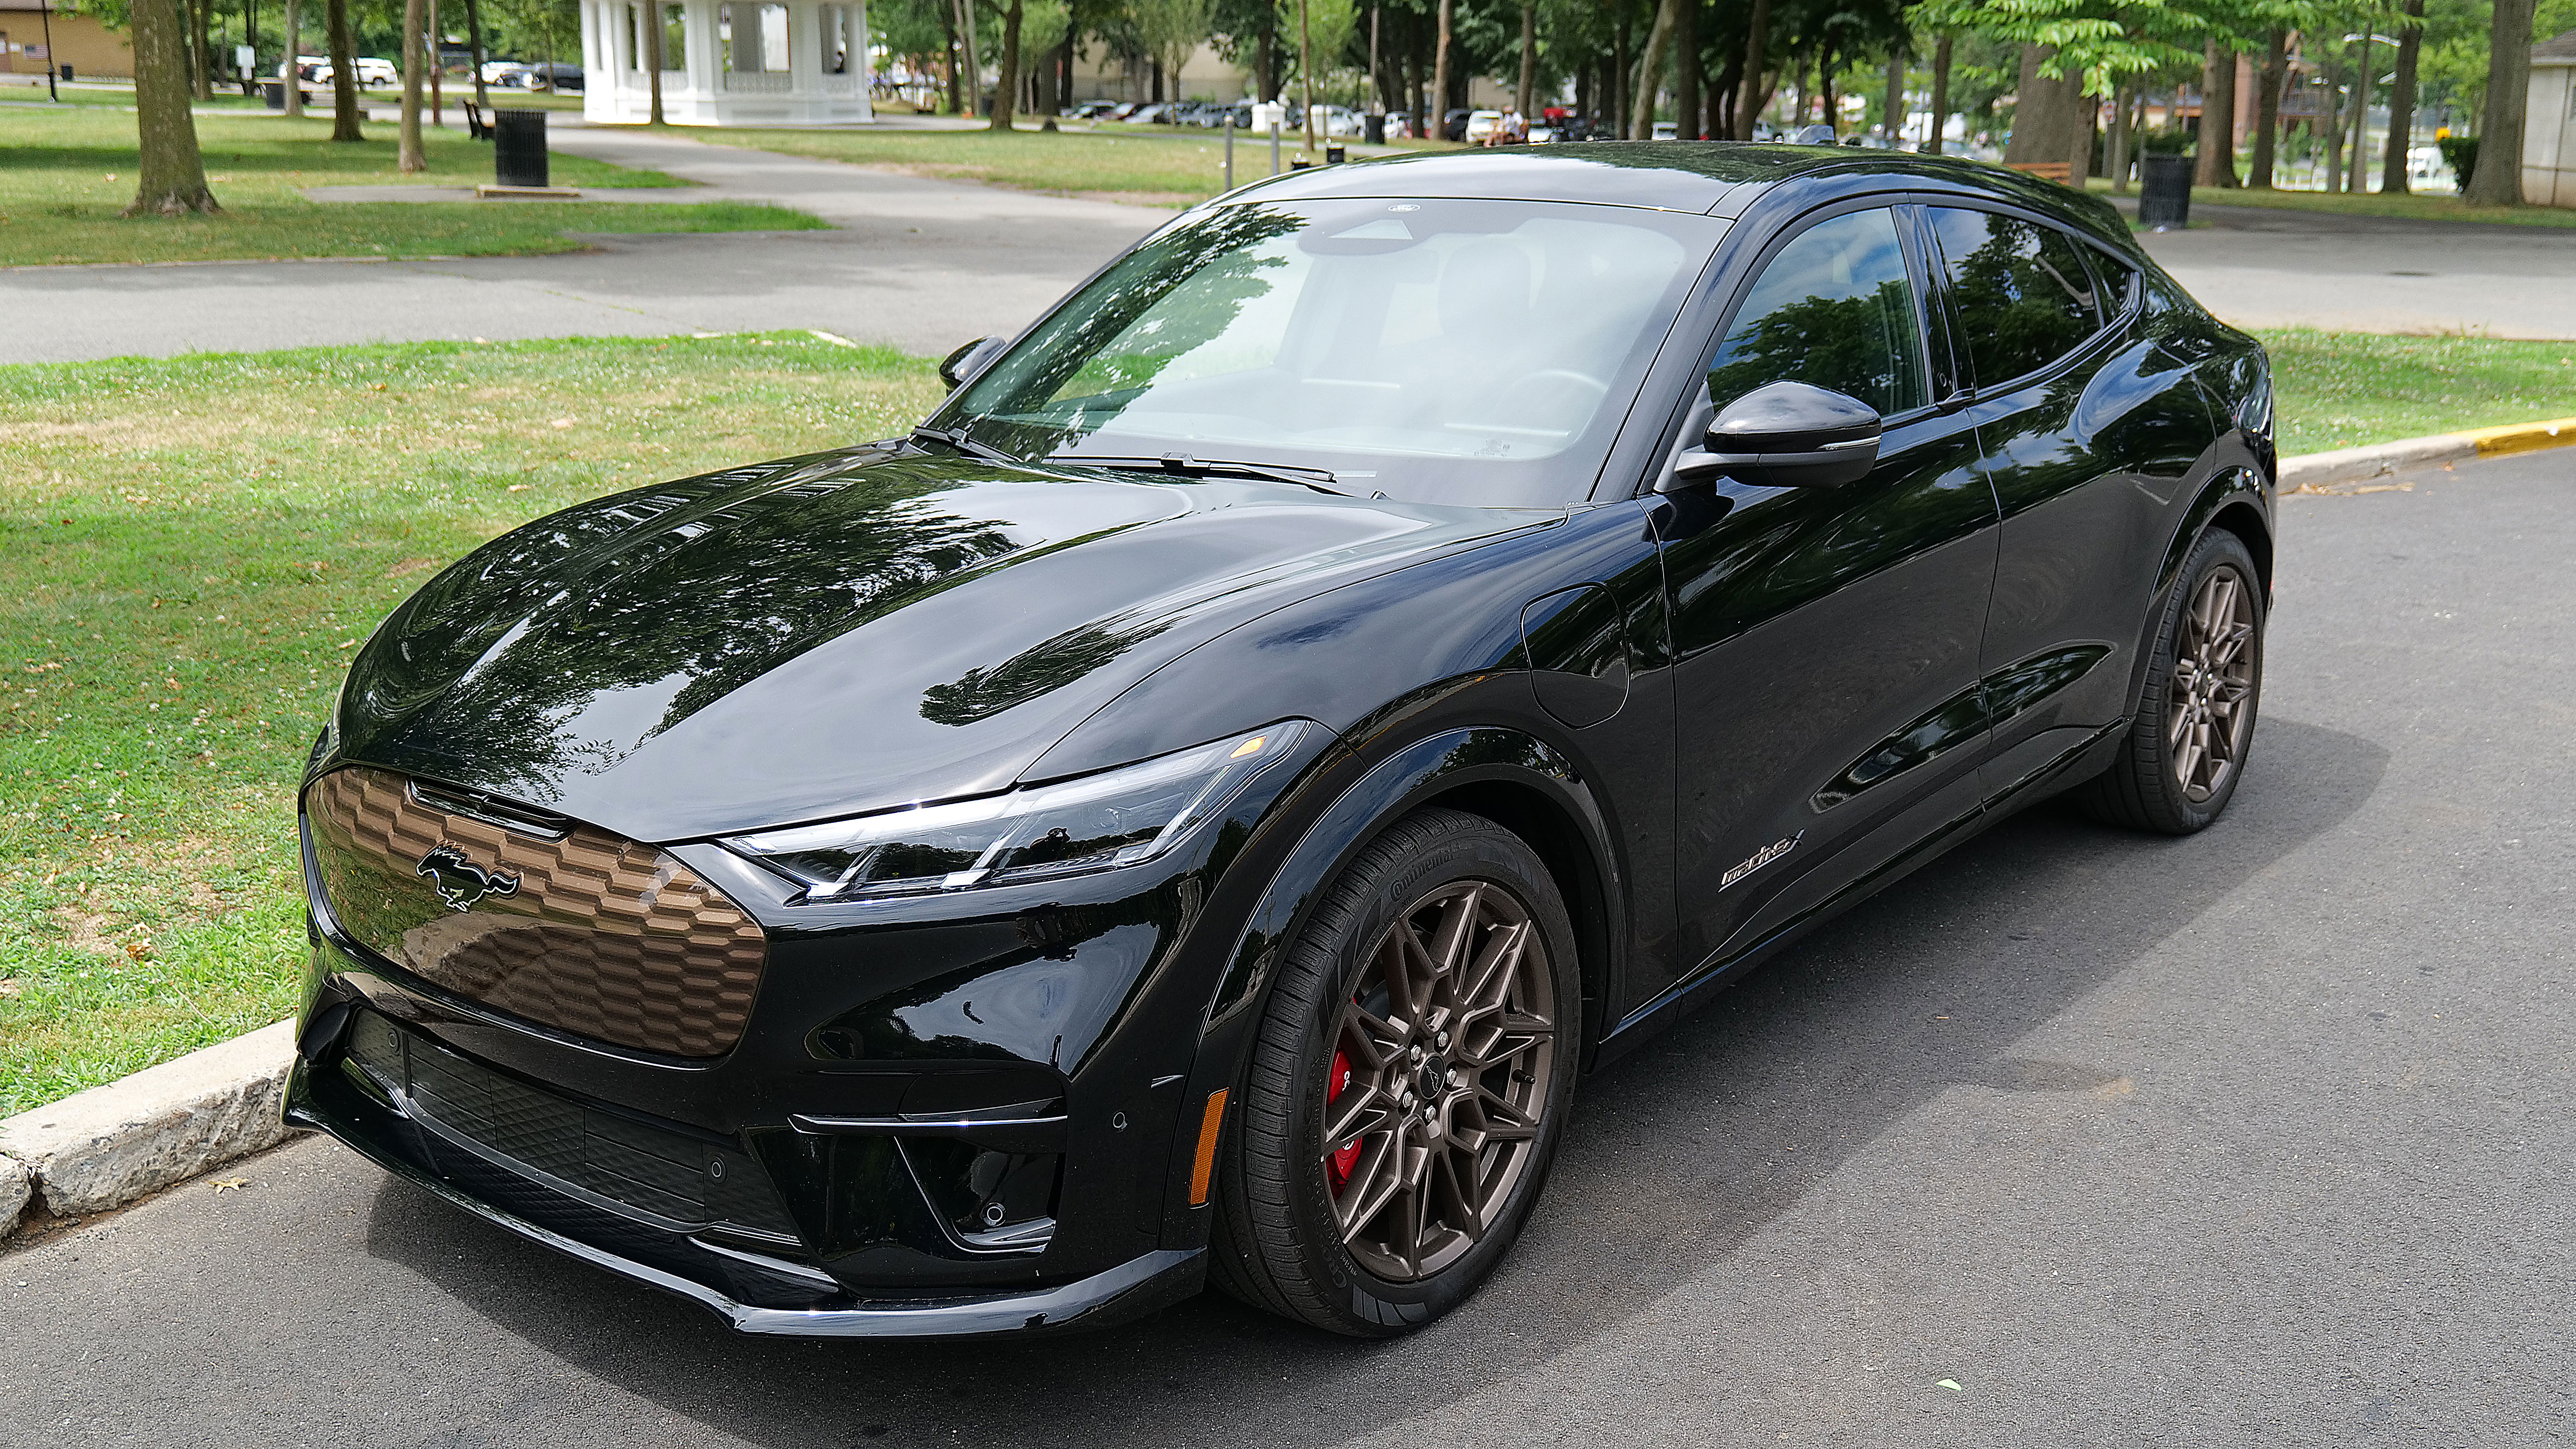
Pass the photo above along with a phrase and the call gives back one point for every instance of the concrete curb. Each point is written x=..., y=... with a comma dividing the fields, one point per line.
x=107, y=1146
x=112, y=1144
x=2349, y=465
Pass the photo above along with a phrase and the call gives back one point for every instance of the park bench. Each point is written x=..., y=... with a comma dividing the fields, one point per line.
x=2056, y=171
x=479, y=129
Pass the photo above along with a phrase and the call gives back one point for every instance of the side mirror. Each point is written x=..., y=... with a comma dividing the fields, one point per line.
x=960, y=367
x=1786, y=435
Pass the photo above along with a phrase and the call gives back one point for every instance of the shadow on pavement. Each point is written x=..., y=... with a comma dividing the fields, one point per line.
x=1676, y=1157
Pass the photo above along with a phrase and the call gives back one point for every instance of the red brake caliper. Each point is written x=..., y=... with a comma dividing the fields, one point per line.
x=1346, y=1156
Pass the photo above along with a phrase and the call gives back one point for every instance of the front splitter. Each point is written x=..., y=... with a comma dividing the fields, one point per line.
x=1116, y=1295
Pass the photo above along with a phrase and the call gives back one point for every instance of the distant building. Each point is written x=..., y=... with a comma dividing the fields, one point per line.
x=79, y=41
x=2549, y=125
x=800, y=63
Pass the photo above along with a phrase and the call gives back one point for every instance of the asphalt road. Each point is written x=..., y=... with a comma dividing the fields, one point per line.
x=924, y=264
x=2265, y=268
x=919, y=264
x=2256, y=1138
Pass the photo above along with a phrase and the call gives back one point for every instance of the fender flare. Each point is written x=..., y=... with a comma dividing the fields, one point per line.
x=1421, y=770
x=2235, y=487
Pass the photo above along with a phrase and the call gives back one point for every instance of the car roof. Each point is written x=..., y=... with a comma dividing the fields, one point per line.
x=1719, y=178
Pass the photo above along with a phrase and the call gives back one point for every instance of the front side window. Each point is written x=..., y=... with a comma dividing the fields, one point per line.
x=1443, y=351
x=2018, y=290
x=1835, y=308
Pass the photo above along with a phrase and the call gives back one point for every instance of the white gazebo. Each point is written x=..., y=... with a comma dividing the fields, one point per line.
x=727, y=63
x=2549, y=125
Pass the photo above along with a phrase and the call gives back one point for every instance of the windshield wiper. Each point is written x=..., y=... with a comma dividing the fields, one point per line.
x=956, y=438
x=1188, y=467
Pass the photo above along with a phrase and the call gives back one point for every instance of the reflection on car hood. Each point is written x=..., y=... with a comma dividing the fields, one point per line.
x=837, y=633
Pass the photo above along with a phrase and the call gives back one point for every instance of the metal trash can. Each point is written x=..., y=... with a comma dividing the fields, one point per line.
x=275, y=94
x=1373, y=130
x=67, y=72
x=519, y=148
x=1335, y=155
x=2164, y=192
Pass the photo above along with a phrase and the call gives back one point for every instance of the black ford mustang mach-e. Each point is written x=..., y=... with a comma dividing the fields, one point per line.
x=1376, y=651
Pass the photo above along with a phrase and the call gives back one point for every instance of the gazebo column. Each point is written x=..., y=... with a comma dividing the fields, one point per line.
x=706, y=60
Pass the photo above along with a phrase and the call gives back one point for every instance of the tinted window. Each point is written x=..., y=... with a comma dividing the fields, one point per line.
x=2117, y=279
x=1448, y=351
x=2019, y=291
x=1834, y=308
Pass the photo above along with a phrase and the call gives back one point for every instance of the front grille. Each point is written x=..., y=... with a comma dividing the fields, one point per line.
x=671, y=1180
x=562, y=924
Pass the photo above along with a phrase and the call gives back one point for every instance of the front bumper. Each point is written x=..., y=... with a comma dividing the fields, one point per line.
x=754, y=1291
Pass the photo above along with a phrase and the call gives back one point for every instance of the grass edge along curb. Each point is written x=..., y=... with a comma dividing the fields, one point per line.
x=2345, y=465
x=163, y=1125
x=132, y=1137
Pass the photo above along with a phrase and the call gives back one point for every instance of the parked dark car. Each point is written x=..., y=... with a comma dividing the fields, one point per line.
x=543, y=76
x=1092, y=110
x=1453, y=126
x=1193, y=808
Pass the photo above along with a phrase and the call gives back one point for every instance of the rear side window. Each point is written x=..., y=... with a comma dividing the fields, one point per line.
x=2019, y=290
x=1835, y=308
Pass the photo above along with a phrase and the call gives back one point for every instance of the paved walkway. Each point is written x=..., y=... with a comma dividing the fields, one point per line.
x=2259, y=267
x=925, y=264
x=921, y=264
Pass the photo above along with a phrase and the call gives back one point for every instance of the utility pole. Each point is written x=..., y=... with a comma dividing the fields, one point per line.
x=1306, y=73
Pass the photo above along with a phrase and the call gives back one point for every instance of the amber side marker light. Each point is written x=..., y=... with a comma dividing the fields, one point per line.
x=1204, y=1166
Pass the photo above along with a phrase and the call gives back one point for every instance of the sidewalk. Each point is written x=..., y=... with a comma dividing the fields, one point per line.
x=915, y=263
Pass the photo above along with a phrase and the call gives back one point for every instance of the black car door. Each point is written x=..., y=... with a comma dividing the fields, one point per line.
x=2089, y=430
x=1827, y=708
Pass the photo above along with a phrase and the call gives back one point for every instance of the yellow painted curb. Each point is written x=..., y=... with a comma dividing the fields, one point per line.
x=2520, y=437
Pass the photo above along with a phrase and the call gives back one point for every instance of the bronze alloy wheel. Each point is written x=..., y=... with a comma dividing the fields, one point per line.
x=2213, y=677
x=1438, y=1079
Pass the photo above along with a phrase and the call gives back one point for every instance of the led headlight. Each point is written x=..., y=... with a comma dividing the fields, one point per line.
x=1072, y=827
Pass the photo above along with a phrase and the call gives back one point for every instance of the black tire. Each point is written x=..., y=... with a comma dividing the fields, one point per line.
x=2145, y=787
x=1279, y=1238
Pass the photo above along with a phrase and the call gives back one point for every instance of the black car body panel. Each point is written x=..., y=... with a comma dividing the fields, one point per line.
x=1718, y=713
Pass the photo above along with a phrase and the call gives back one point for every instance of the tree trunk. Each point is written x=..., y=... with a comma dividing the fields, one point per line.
x=2215, y=161
x=1436, y=115
x=1527, y=94
x=1686, y=76
x=344, y=72
x=2116, y=153
x=1650, y=69
x=1619, y=93
x=201, y=83
x=1413, y=72
x=1892, y=123
x=2360, y=179
x=2267, y=113
x=1377, y=71
x=409, y=157
x=2044, y=119
x=1305, y=74
x=474, y=40
x=1006, y=90
x=1832, y=113
x=1940, y=97
x=1756, y=91
x=975, y=63
x=2079, y=149
x=171, y=180
x=653, y=62
x=2401, y=103
x=2334, y=139
x=293, y=25
x=1723, y=98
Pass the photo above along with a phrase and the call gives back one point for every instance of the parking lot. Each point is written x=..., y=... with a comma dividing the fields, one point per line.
x=2074, y=1138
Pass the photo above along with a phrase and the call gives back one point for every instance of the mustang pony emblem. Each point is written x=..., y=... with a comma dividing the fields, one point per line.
x=460, y=882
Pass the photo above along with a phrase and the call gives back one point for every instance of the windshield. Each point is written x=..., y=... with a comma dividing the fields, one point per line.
x=1469, y=352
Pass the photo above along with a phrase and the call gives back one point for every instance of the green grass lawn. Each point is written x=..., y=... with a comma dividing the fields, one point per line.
x=65, y=173
x=2403, y=206
x=190, y=548
x=1151, y=165
x=2342, y=390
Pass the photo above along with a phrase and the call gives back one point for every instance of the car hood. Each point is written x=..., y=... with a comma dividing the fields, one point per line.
x=835, y=634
